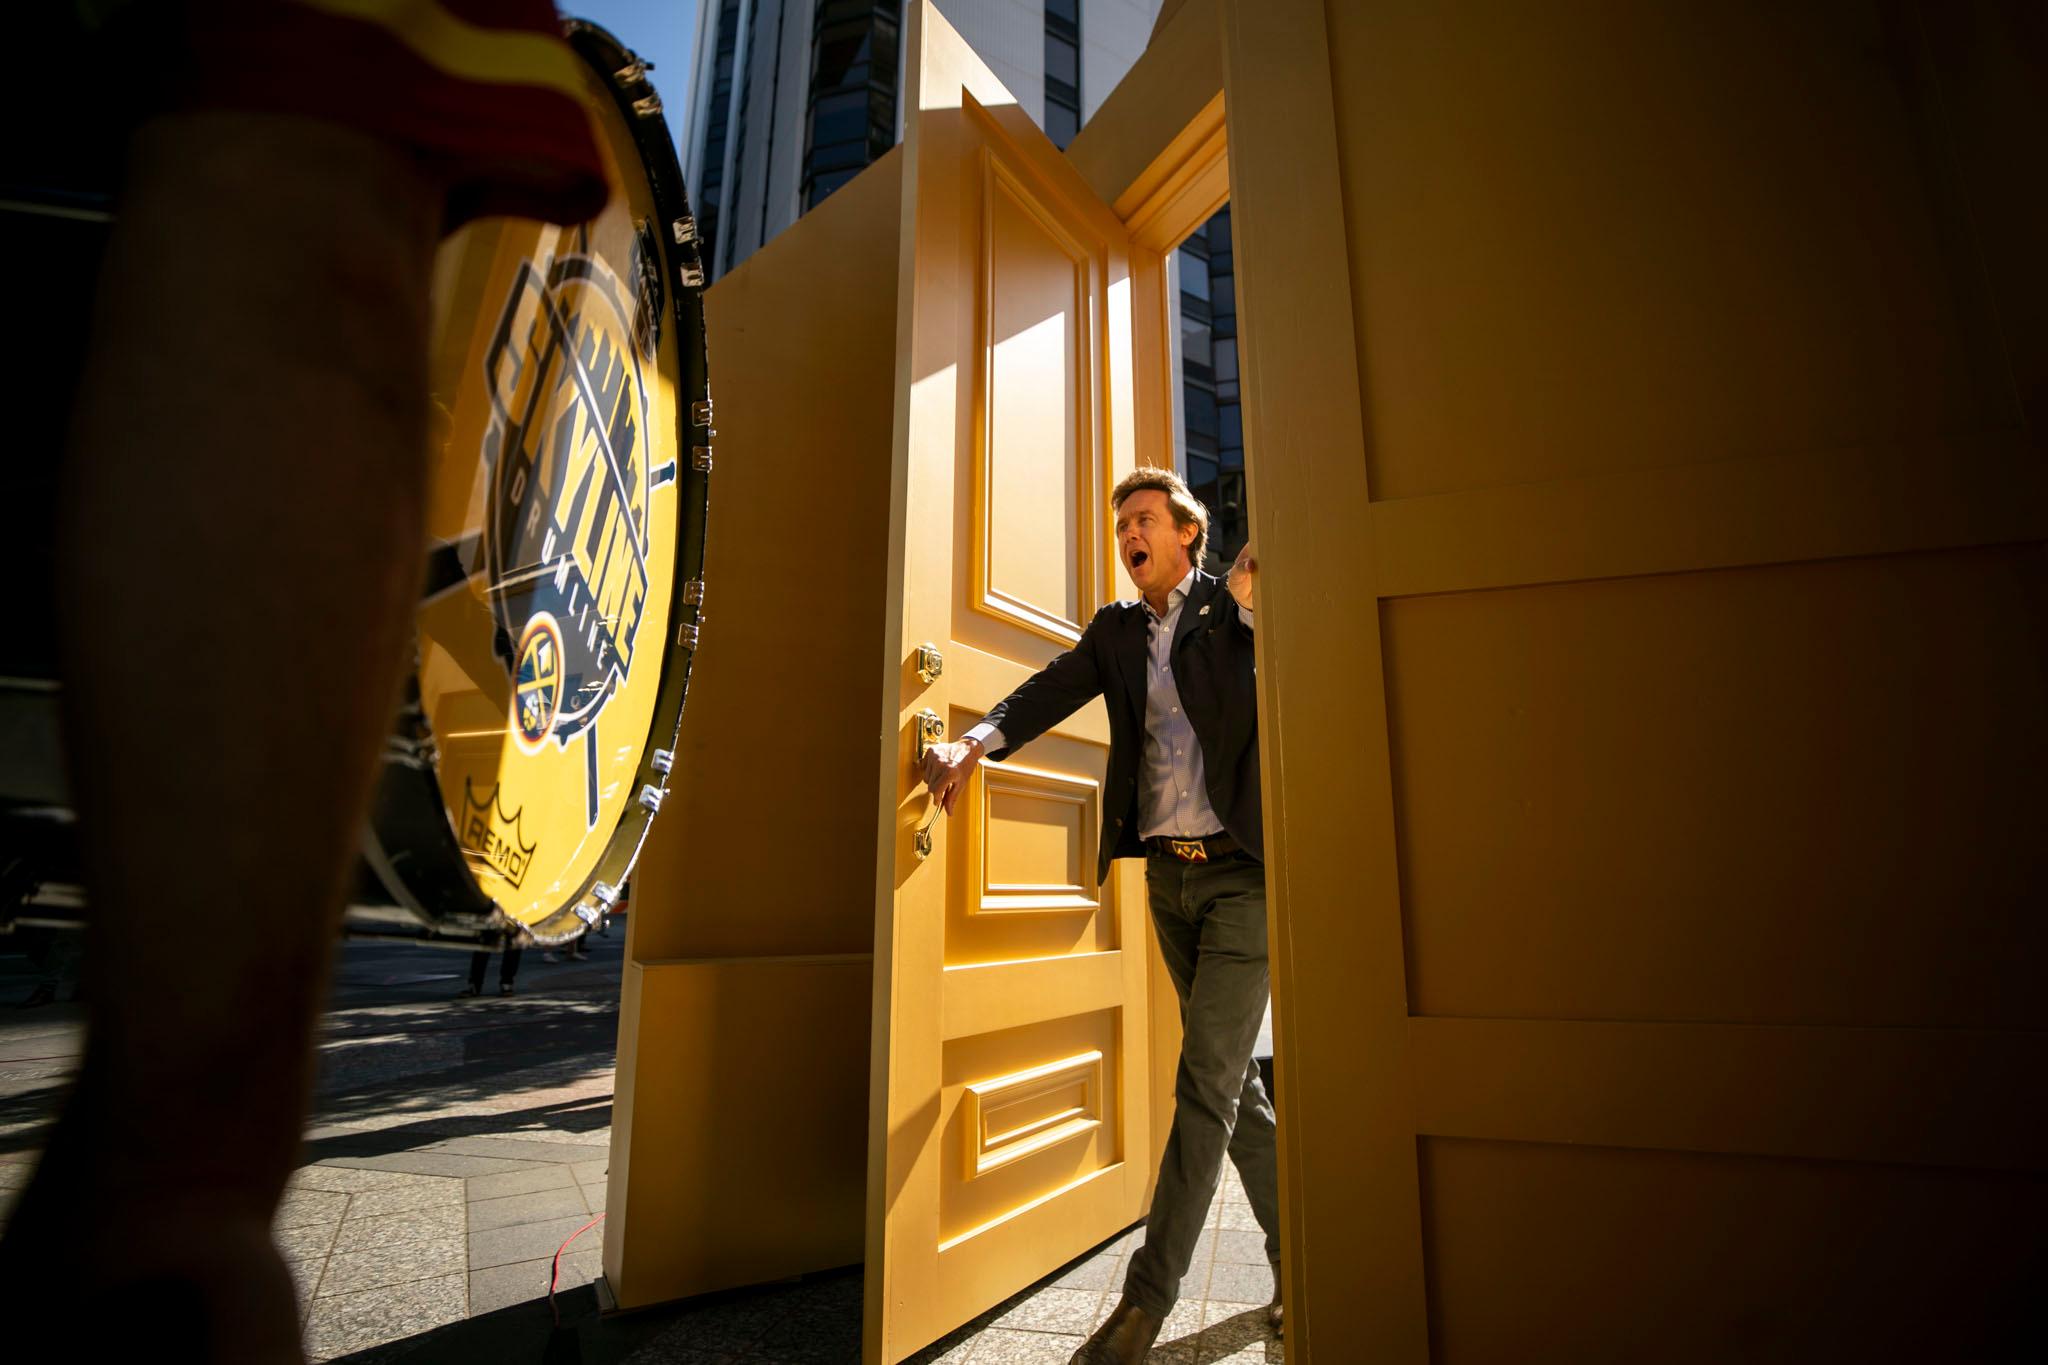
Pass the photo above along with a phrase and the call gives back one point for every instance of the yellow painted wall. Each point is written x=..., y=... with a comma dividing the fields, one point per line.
x=739, y=1149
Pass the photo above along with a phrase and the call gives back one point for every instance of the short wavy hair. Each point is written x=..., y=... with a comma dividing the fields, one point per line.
x=1187, y=508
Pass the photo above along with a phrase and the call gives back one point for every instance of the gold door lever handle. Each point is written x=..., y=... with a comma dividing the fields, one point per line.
x=921, y=840
x=930, y=730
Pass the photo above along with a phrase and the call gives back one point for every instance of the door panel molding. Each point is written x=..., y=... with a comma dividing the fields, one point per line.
x=1840, y=1094
x=1768, y=509
x=1002, y=182
x=1076, y=892
x=1015, y=1116
x=975, y=1257
x=985, y=997
x=1184, y=187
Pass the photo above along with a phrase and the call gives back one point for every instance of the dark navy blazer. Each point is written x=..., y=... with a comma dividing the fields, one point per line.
x=1212, y=668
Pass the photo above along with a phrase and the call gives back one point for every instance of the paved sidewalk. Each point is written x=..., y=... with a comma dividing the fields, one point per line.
x=455, y=1145
x=1221, y=1316
x=387, y=1246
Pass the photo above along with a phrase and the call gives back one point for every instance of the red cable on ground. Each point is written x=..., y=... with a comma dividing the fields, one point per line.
x=555, y=1275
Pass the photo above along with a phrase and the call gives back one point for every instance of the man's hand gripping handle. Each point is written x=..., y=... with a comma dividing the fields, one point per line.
x=947, y=768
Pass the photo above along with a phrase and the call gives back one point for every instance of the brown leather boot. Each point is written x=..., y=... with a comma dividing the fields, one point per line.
x=1123, y=1339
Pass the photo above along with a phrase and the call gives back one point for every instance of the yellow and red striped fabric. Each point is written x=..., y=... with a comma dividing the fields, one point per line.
x=486, y=92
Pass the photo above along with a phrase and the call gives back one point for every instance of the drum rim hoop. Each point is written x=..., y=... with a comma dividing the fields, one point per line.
x=409, y=814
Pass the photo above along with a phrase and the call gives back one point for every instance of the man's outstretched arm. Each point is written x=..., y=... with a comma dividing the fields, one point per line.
x=1042, y=701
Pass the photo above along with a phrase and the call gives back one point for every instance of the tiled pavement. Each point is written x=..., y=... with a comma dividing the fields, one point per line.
x=456, y=1146
x=1221, y=1317
x=385, y=1247
x=386, y=1253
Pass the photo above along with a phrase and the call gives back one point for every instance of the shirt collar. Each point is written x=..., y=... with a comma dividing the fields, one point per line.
x=1174, y=598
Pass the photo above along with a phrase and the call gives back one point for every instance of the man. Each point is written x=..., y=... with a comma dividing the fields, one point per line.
x=1182, y=792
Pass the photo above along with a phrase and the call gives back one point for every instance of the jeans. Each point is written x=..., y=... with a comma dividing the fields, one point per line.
x=507, y=969
x=1211, y=919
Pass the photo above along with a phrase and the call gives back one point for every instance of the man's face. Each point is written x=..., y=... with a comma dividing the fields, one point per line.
x=1154, y=548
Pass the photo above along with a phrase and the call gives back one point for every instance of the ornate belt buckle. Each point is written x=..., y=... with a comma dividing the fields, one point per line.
x=1190, y=850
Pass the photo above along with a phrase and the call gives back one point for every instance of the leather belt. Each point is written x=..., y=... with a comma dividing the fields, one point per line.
x=1203, y=850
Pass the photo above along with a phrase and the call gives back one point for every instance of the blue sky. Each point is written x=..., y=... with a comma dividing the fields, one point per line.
x=662, y=32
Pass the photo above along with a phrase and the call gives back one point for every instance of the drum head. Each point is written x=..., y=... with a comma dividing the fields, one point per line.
x=566, y=516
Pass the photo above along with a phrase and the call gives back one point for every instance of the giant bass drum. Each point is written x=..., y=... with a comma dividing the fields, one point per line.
x=563, y=599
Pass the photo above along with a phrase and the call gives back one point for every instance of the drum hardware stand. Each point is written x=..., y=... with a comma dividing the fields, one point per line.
x=415, y=753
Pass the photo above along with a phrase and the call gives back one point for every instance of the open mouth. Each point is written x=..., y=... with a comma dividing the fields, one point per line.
x=1138, y=558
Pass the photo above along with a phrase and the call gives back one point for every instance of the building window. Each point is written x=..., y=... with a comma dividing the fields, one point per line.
x=739, y=141
x=852, y=116
x=711, y=185
x=1062, y=71
x=1212, y=455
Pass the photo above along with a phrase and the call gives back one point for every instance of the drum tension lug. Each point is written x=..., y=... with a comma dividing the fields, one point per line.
x=693, y=275
x=693, y=593
x=687, y=637
x=605, y=894
x=632, y=73
x=650, y=797
x=647, y=106
x=700, y=414
x=662, y=761
x=685, y=229
x=700, y=457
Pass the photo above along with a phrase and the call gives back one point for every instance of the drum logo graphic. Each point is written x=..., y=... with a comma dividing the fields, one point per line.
x=570, y=489
x=493, y=838
x=537, y=682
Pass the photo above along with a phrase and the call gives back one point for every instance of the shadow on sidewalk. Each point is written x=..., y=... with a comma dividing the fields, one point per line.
x=815, y=1319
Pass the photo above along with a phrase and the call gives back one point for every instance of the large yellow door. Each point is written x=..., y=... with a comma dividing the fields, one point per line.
x=1644, y=407
x=1009, y=1126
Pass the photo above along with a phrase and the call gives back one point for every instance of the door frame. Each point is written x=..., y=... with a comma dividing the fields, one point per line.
x=1167, y=202
x=1347, y=1130
x=1234, y=102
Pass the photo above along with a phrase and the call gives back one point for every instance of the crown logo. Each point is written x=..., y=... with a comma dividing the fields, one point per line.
x=492, y=839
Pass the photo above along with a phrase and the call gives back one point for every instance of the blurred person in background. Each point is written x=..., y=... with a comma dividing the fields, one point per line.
x=239, y=561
